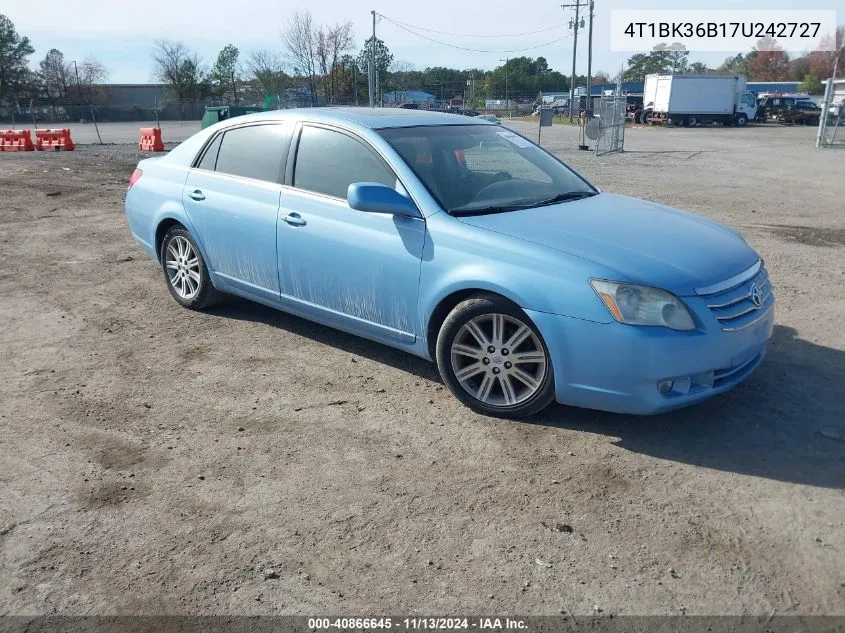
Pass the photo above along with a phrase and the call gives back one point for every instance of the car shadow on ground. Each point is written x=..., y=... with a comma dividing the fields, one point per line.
x=785, y=423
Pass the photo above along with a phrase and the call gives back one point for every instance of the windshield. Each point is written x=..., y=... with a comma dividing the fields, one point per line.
x=471, y=169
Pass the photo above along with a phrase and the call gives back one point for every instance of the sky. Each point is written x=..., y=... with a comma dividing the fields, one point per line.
x=122, y=34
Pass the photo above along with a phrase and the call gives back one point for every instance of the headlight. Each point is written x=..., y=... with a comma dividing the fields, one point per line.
x=641, y=305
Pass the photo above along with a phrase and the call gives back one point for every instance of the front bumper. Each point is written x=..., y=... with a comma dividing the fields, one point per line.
x=616, y=367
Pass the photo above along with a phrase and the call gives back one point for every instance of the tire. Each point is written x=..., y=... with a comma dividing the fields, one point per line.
x=644, y=117
x=741, y=120
x=638, y=116
x=185, y=272
x=487, y=382
x=691, y=121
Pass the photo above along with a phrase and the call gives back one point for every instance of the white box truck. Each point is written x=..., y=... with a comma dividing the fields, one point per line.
x=691, y=100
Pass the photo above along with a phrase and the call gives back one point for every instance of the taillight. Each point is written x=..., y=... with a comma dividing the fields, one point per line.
x=135, y=176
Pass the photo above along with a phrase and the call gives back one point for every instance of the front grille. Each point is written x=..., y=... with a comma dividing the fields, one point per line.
x=735, y=308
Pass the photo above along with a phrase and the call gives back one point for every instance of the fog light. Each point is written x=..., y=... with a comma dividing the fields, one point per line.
x=682, y=385
x=665, y=386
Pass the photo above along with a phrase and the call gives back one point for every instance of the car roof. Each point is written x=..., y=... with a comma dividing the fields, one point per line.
x=373, y=118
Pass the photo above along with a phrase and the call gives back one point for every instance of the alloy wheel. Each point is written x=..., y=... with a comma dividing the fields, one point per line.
x=498, y=360
x=183, y=267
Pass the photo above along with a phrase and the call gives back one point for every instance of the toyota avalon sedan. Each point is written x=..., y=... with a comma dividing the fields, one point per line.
x=459, y=241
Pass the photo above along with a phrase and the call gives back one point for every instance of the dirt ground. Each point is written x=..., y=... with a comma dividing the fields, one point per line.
x=154, y=459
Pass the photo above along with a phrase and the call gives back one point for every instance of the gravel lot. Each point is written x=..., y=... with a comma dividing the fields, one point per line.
x=160, y=460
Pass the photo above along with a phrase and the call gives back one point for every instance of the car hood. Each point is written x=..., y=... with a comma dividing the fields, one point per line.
x=645, y=242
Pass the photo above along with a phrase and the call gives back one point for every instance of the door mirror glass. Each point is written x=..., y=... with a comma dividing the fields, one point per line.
x=376, y=198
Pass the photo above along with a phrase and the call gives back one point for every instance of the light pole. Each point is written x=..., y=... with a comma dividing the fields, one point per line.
x=507, y=101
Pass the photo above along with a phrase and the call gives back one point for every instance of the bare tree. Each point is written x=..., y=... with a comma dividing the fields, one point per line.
x=400, y=77
x=180, y=68
x=300, y=41
x=267, y=73
x=92, y=74
x=339, y=41
x=323, y=55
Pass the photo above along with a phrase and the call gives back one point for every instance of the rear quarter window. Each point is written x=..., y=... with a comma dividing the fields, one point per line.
x=209, y=157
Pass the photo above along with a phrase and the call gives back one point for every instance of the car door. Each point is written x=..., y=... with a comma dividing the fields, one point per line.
x=232, y=200
x=353, y=269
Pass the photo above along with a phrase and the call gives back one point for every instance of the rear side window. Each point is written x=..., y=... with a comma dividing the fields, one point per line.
x=253, y=152
x=328, y=162
x=209, y=159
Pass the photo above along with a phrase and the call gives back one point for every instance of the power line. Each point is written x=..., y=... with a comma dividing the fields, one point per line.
x=421, y=28
x=474, y=50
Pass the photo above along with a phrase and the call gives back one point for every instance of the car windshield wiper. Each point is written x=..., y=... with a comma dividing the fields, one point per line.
x=528, y=204
x=564, y=197
x=494, y=208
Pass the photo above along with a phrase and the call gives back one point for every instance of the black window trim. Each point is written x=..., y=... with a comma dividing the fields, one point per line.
x=280, y=172
x=294, y=154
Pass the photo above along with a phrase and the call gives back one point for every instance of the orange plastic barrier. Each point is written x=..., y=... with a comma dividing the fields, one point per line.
x=53, y=139
x=15, y=141
x=151, y=140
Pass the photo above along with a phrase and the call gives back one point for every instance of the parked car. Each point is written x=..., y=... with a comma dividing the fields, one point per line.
x=788, y=110
x=462, y=243
x=806, y=112
x=837, y=109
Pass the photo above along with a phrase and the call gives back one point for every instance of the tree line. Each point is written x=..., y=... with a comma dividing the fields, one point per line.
x=320, y=63
x=765, y=62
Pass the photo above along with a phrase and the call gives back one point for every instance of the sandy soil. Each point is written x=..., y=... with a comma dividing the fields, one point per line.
x=154, y=459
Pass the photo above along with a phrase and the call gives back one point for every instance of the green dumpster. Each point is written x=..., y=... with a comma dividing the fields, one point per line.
x=215, y=114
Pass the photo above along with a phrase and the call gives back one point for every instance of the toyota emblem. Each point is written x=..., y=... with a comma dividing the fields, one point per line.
x=756, y=295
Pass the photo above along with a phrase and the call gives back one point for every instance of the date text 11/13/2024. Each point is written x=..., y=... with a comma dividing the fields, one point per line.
x=417, y=623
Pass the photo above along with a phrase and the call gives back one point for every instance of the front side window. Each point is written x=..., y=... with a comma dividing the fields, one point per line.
x=254, y=151
x=484, y=168
x=328, y=162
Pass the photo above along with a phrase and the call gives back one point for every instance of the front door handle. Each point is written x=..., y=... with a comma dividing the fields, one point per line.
x=197, y=195
x=294, y=219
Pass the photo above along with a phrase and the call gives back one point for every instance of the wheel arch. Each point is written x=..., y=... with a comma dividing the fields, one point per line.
x=445, y=306
x=161, y=230
x=167, y=221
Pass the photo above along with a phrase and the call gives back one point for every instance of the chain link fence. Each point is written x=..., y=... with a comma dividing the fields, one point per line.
x=611, y=124
x=833, y=116
x=601, y=129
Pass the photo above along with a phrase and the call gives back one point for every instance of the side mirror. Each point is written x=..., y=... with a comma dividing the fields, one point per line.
x=377, y=198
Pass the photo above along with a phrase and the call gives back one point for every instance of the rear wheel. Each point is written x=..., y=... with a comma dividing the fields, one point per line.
x=493, y=358
x=691, y=121
x=185, y=271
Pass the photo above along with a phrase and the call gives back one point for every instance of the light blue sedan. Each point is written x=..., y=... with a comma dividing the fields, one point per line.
x=464, y=243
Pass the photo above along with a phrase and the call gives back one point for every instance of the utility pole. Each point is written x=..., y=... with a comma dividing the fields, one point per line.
x=575, y=26
x=507, y=100
x=78, y=86
x=372, y=74
x=355, y=81
x=590, y=64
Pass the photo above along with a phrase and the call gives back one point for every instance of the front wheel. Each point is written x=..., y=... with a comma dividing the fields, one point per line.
x=741, y=120
x=493, y=358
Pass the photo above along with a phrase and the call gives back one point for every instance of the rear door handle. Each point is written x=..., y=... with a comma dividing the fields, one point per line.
x=197, y=195
x=294, y=219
